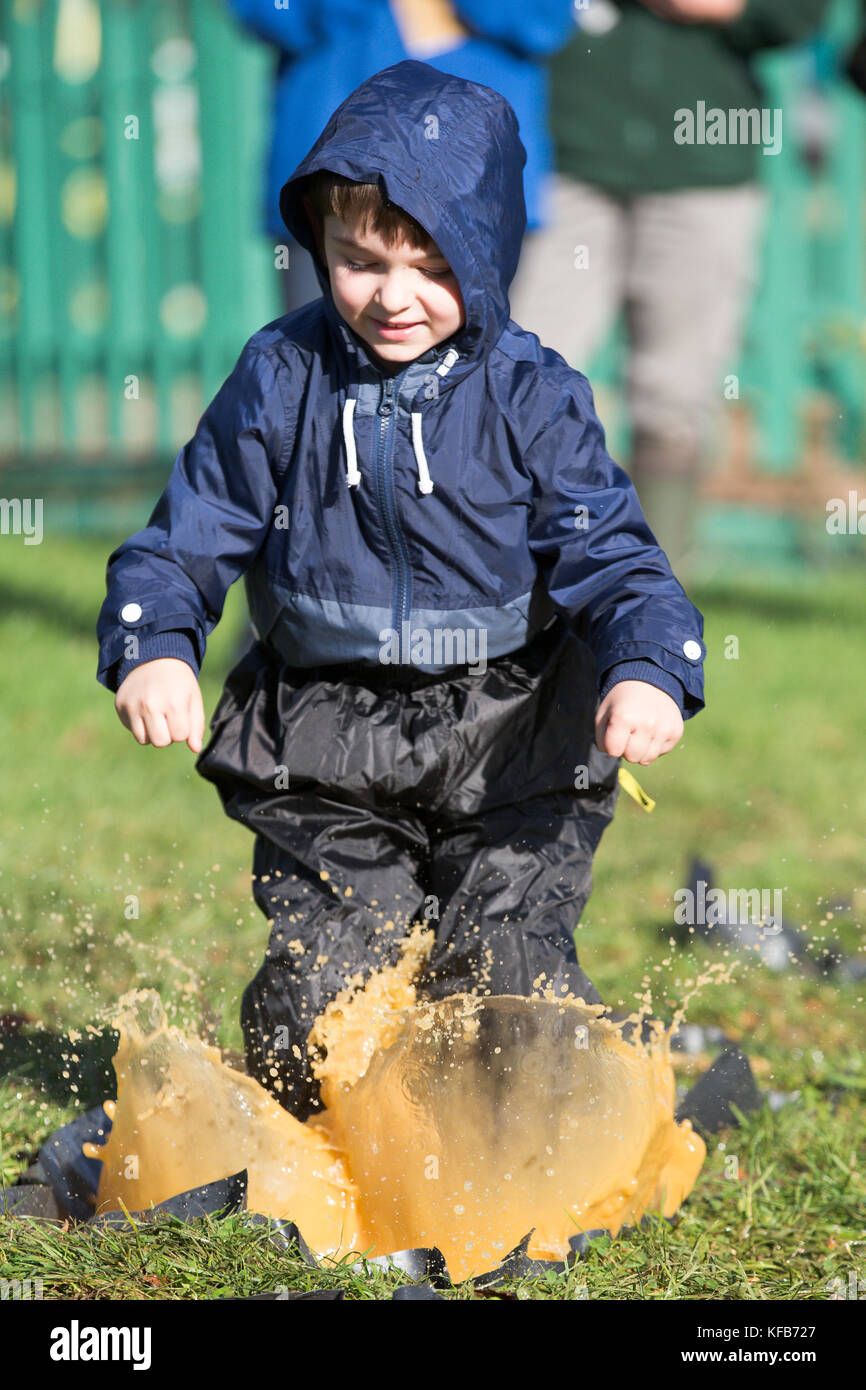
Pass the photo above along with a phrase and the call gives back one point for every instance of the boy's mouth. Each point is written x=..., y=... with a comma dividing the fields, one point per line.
x=395, y=330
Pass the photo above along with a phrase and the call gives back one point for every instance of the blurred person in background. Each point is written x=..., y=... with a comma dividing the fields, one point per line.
x=656, y=206
x=327, y=48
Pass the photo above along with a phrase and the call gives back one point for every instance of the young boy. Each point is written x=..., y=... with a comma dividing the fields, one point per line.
x=463, y=620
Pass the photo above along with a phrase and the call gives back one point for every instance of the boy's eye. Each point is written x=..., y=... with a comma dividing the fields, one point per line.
x=434, y=274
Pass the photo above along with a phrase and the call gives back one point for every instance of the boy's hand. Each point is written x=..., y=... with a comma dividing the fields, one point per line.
x=638, y=722
x=160, y=702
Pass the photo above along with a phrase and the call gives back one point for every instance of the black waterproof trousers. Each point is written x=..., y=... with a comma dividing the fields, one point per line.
x=380, y=796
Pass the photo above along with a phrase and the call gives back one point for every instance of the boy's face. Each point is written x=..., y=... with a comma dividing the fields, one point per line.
x=400, y=300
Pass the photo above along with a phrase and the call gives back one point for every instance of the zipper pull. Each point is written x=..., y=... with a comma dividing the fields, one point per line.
x=630, y=784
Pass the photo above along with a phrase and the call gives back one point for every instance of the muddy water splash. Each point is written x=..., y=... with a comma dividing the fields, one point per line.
x=461, y=1123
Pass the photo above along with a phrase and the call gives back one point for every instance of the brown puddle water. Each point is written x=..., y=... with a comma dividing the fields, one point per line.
x=461, y=1124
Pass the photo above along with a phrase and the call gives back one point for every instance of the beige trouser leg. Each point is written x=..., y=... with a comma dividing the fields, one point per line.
x=684, y=264
x=572, y=274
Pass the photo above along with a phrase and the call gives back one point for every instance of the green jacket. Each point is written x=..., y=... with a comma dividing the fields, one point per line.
x=620, y=100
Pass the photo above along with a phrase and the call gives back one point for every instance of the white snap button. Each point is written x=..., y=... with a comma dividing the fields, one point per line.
x=130, y=613
x=692, y=650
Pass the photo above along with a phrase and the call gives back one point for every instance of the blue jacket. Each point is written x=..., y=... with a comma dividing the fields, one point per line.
x=472, y=491
x=329, y=47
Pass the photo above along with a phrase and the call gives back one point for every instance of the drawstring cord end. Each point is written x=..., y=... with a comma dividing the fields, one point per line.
x=353, y=476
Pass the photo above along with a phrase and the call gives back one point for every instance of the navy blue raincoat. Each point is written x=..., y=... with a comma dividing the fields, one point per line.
x=470, y=493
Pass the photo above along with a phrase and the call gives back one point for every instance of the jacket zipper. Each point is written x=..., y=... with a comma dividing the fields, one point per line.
x=388, y=506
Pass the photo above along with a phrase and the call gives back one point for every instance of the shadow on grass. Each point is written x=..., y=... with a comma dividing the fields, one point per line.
x=51, y=609
x=839, y=600
x=54, y=612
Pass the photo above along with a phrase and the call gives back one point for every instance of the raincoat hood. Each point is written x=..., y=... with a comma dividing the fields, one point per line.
x=448, y=152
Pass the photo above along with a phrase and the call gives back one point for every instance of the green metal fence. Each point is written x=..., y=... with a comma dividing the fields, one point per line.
x=808, y=330
x=132, y=267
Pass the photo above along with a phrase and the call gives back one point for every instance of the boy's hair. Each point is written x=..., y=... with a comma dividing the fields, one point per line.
x=362, y=202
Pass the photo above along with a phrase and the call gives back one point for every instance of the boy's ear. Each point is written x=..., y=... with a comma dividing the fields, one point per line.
x=314, y=223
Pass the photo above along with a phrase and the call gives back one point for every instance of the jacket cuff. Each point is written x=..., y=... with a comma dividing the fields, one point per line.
x=682, y=660
x=644, y=671
x=178, y=644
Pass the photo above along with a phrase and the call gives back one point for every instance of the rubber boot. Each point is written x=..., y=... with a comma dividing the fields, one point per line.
x=667, y=482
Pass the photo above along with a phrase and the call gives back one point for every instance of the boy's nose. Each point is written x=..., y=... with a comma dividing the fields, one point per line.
x=394, y=295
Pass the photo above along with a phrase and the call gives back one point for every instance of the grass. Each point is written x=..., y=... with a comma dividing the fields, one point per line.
x=768, y=786
x=784, y=1228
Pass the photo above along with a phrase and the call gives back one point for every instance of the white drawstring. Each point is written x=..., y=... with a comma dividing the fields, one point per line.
x=353, y=476
x=425, y=482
